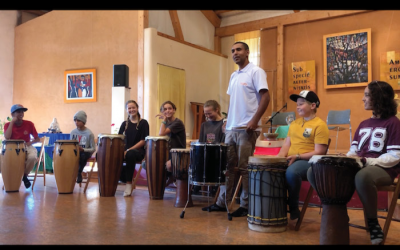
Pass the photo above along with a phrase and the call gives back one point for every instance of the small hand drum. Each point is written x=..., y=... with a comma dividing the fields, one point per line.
x=180, y=160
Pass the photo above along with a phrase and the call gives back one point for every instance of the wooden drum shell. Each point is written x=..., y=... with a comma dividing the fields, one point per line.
x=110, y=156
x=13, y=164
x=267, y=210
x=157, y=153
x=66, y=165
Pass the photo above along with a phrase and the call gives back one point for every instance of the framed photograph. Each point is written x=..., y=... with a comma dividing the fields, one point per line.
x=80, y=85
x=347, y=59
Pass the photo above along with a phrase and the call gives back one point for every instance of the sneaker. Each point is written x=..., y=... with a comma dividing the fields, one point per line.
x=295, y=213
x=128, y=189
x=240, y=212
x=79, y=180
x=214, y=207
x=169, y=181
x=27, y=183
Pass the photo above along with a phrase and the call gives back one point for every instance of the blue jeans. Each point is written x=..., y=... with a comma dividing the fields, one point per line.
x=295, y=174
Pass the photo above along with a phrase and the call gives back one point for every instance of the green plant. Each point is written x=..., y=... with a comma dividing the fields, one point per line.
x=2, y=123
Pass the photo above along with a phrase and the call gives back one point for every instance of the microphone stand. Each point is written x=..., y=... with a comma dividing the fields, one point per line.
x=272, y=117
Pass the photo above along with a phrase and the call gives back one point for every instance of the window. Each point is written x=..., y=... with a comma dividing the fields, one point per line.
x=252, y=39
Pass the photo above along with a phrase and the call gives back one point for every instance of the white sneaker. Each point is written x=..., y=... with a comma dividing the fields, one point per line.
x=128, y=189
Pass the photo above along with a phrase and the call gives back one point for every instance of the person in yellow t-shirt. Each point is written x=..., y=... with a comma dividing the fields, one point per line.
x=308, y=135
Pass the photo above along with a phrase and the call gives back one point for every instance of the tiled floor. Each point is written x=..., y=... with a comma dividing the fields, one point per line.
x=43, y=216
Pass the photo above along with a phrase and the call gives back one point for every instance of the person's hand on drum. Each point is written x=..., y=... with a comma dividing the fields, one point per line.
x=291, y=159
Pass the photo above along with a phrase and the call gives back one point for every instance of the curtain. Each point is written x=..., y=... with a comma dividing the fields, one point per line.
x=252, y=39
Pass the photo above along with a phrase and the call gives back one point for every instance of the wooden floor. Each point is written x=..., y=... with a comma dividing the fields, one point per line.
x=44, y=217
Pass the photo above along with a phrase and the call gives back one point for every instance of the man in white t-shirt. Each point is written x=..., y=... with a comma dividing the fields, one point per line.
x=249, y=98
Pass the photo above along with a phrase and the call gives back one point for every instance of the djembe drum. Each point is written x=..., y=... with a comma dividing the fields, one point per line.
x=66, y=165
x=334, y=183
x=110, y=156
x=180, y=160
x=267, y=194
x=157, y=154
x=13, y=164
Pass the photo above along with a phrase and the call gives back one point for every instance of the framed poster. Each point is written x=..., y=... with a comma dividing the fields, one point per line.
x=347, y=59
x=80, y=85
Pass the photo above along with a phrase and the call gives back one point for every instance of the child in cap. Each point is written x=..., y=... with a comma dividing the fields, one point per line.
x=19, y=129
x=308, y=135
x=85, y=138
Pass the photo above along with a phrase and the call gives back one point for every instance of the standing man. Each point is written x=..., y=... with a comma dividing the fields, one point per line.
x=249, y=98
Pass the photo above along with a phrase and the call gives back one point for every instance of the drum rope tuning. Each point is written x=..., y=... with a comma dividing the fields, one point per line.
x=267, y=194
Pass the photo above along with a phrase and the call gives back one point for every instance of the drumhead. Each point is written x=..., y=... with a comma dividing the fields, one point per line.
x=185, y=150
x=266, y=159
x=316, y=158
x=13, y=141
x=208, y=144
x=155, y=138
x=111, y=136
x=67, y=141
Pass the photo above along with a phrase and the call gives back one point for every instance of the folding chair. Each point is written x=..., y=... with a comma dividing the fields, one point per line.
x=394, y=188
x=336, y=118
x=42, y=159
x=280, y=118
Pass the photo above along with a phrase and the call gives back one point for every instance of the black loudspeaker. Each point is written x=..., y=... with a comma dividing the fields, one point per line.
x=121, y=75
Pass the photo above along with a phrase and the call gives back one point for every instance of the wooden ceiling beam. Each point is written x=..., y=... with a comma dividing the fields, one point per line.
x=212, y=17
x=36, y=12
x=176, y=24
x=272, y=22
x=219, y=12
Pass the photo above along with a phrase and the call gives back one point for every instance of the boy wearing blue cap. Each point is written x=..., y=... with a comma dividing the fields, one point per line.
x=19, y=129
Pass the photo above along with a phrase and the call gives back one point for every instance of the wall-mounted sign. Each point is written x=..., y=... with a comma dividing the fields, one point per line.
x=390, y=68
x=301, y=77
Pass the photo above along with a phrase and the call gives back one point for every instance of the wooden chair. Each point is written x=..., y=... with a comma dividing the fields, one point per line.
x=41, y=159
x=307, y=199
x=92, y=160
x=394, y=188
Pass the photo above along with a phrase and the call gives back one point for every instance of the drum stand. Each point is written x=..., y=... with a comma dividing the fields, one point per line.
x=189, y=200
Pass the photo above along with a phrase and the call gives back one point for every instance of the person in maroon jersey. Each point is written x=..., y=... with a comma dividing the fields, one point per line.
x=377, y=144
x=21, y=129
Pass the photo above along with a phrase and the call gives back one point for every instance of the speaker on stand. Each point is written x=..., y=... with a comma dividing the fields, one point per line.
x=119, y=96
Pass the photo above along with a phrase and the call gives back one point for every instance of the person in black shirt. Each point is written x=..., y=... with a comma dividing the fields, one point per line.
x=135, y=130
x=174, y=128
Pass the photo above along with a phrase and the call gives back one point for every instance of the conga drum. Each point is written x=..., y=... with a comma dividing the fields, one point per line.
x=13, y=164
x=66, y=165
x=267, y=194
x=110, y=156
x=157, y=154
x=180, y=160
x=334, y=184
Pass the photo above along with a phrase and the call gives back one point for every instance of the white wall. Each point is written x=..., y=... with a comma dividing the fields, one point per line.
x=195, y=27
x=206, y=76
x=8, y=21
